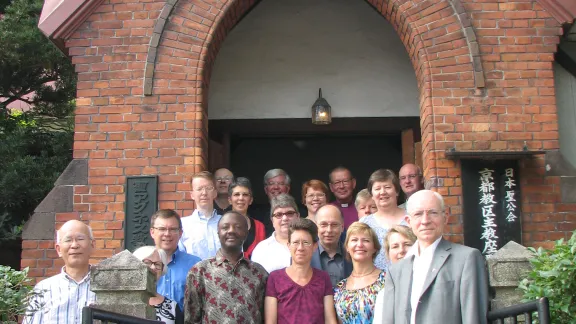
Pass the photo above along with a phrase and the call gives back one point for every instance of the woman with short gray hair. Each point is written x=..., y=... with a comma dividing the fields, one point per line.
x=167, y=310
x=273, y=252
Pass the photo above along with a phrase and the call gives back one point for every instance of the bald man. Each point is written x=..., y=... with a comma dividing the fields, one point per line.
x=411, y=180
x=330, y=255
x=223, y=178
x=60, y=298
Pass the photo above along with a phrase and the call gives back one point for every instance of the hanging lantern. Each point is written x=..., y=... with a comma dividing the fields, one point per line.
x=321, y=111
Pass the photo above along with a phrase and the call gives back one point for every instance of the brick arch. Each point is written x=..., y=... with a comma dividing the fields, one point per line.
x=437, y=35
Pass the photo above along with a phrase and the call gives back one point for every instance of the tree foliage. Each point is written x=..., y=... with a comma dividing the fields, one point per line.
x=553, y=275
x=32, y=69
x=35, y=146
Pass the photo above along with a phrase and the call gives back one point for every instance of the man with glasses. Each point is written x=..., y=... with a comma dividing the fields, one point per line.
x=411, y=180
x=437, y=281
x=330, y=255
x=342, y=185
x=273, y=252
x=276, y=182
x=227, y=288
x=200, y=236
x=224, y=178
x=60, y=298
x=166, y=230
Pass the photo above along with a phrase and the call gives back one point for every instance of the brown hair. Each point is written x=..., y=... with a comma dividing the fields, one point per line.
x=384, y=175
x=303, y=224
x=165, y=214
x=402, y=230
x=316, y=185
x=204, y=175
x=358, y=227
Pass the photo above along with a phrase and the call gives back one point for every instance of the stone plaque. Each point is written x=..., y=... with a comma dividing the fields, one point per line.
x=491, y=206
x=141, y=203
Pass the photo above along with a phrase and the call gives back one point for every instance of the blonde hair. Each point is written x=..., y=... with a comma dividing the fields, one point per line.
x=358, y=227
x=143, y=252
x=402, y=230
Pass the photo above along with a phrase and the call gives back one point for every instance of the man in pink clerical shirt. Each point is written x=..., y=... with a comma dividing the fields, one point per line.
x=342, y=185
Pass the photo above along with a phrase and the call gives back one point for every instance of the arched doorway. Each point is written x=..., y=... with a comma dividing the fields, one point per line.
x=265, y=80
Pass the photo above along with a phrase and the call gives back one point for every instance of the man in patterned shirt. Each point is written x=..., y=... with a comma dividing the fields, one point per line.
x=60, y=298
x=226, y=288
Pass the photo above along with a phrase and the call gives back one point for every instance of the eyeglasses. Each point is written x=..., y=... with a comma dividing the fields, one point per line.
x=432, y=213
x=316, y=196
x=157, y=265
x=409, y=176
x=171, y=230
x=224, y=179
x=328, y=225
x=304, y=243
x=68, y=240
x=241, y=194
x=288, y=214
x=273, y=184
x=207, y=189
x=342, y=182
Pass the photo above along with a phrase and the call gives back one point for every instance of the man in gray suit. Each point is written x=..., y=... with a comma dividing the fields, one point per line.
x=438, y=281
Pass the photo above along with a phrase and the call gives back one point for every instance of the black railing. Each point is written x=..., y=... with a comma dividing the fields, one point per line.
x=89, y=314
x=527, y=309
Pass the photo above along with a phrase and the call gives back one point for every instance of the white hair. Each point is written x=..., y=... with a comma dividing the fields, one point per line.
x=143, y=252
x=417, y=196
x=90, y=234
x=275, y=173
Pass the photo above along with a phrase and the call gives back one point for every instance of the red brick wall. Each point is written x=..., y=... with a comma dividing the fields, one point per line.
x=123, y=133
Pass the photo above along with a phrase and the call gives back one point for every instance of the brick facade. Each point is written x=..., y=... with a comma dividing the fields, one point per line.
x=484, y=70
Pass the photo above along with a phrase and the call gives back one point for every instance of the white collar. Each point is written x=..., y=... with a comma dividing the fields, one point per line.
x=429, y=251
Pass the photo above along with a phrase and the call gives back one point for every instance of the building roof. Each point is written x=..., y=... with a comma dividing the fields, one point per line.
x=60, y=18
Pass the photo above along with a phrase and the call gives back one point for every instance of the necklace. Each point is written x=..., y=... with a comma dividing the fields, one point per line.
x=363, y=275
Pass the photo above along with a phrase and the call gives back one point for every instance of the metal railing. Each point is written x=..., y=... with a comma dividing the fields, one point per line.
x=90, y=314
x=527, y=309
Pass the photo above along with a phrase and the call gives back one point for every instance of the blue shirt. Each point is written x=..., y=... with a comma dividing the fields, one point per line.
x=381, y=262
x=200, y=235
x=173, y=284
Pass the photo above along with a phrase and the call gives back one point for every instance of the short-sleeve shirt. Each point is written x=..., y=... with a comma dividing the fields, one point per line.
x=381, y=261
x=299, y=304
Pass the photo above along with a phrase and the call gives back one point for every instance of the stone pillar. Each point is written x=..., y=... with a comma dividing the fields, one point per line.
x=506, y=268
x=123, y=284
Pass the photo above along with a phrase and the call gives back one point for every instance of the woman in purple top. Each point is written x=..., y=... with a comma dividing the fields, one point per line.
x=299, y=293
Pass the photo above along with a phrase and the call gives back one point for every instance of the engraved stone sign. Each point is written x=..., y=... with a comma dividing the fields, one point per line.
x=491, y=206
x=141, y=203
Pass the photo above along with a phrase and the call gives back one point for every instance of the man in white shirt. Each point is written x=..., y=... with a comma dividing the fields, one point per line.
x=60, y=298
x=200, y=230
x=438, y=281
x=411, y=180
x=273, y=252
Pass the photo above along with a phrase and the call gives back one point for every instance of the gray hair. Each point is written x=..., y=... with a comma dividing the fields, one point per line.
x=240, y=182
x=416, y=196
x=143, y=252
x=274, y=173
x=362, y=195
x=90, y=234
x=282, y=201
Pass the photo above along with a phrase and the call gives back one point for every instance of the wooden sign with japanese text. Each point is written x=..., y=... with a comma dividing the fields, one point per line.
x=491, y=206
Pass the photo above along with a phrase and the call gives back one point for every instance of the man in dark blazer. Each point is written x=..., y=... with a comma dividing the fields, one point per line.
x=438, y=281
x=330, y=255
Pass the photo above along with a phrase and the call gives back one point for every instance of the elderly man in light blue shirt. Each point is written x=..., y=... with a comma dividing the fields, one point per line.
x=200, y=236
x=60, y=298
x=166, y=230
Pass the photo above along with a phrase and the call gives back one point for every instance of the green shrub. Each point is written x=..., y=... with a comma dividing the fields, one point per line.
x=15, y=293
x=554, y=276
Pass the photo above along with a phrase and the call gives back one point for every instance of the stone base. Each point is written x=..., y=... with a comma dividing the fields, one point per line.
x=137, y=310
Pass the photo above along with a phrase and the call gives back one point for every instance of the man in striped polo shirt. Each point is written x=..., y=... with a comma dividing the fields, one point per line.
x=60, y=298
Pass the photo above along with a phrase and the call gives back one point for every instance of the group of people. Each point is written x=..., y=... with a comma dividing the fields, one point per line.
x=359, y=259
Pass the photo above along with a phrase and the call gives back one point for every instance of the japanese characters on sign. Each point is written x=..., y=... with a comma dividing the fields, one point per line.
x=491, y=204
